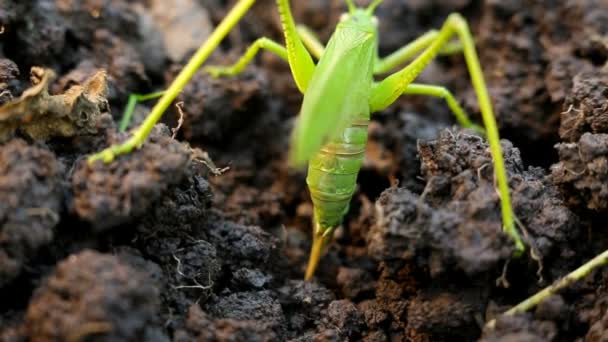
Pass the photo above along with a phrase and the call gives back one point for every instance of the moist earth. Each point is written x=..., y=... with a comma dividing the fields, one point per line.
x=202, y=233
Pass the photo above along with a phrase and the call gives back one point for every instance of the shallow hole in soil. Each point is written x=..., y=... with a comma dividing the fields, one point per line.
x=372, y=184
x=541, y=153
x=596, y=55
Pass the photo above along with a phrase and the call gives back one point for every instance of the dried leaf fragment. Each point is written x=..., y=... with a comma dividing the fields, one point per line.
x=42, y=116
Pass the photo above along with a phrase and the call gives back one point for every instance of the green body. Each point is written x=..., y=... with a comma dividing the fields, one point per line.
x=332, y=173
x=338, y=98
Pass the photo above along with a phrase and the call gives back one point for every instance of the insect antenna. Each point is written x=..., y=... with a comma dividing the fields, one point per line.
x=351, y=6
x=372, y=7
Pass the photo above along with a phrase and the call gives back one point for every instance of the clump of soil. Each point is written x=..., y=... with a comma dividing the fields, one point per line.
x=587, y=108
x=31, y=206
x=456, y=218
x=522, y=328
x=454, y=230
x=92, y=294
x=215, y=108
x=581, y=171
x=107, y=195
x=8, y=80
x=202, y=328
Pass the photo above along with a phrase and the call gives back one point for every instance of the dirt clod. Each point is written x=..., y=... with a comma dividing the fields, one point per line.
x=521, y=328
x=443, y=316
x=583, y=171
x=107, y=195
x=458, y=167
x=31, y=205
x=260, y=307
x=586, y=107
x=201, y=327
x=345, y=318
x=93, y=294
x=215, y=109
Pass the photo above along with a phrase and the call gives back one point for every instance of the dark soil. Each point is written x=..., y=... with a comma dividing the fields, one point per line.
x=158, y=246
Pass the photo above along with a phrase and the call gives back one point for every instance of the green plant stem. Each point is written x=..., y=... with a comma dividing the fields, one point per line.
x=578, y=274
x=127, y=115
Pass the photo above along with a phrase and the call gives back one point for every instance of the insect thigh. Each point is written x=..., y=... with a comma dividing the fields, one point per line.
x=332, y=173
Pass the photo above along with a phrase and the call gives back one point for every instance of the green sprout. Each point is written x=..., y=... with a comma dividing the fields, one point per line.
x=340, y=94
x=574, y=276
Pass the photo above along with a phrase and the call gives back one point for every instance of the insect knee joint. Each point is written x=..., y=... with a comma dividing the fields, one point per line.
x=457, y=21
x=443, y=92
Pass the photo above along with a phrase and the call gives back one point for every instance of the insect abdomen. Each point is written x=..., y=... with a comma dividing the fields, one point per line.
x=332, y=173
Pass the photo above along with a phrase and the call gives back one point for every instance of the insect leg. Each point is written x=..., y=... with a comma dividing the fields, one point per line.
x=407, y=52
x=201, y=55
x=300, y=61
x=239, y=66
x=307, y=36
x=311, y=41
x=443, y=93
x=387, y=91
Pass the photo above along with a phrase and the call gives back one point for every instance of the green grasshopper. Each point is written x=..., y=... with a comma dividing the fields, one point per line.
x=340, y=94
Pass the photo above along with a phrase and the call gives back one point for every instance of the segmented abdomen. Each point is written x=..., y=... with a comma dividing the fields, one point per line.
x=332, y=173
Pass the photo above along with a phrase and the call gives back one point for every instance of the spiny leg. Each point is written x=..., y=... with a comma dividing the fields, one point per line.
x=389, y=89
x=443, y=93
x=178, y=84
x=134, y=99
x=407, y=52
x=300, y=61
x=239, y=66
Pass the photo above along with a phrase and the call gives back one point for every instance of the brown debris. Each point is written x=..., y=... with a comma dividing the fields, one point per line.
x=41, y=116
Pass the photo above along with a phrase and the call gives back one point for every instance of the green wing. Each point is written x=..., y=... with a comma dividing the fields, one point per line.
x=339, y=90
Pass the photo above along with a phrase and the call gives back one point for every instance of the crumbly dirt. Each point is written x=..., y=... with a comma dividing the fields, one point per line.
x=32, y=204
x=160, y=246
x=581, y=170
x=139, y=179
x=93, y=294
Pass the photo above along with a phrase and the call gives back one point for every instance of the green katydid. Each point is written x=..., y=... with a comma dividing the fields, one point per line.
x=340, y=93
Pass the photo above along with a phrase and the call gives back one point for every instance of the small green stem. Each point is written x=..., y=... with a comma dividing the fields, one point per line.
x=578, y=274
x=130, y=108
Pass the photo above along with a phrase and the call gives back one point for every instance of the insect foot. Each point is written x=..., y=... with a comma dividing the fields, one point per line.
x=109, y=154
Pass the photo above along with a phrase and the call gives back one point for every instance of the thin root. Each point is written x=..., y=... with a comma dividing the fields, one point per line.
x=43, y=212
x=534, y=253
x=196, y=285
x=502, y=280
x=180, y=121
x=202, y=157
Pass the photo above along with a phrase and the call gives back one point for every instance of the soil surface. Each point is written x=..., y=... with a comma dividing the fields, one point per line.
x=165, y=245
